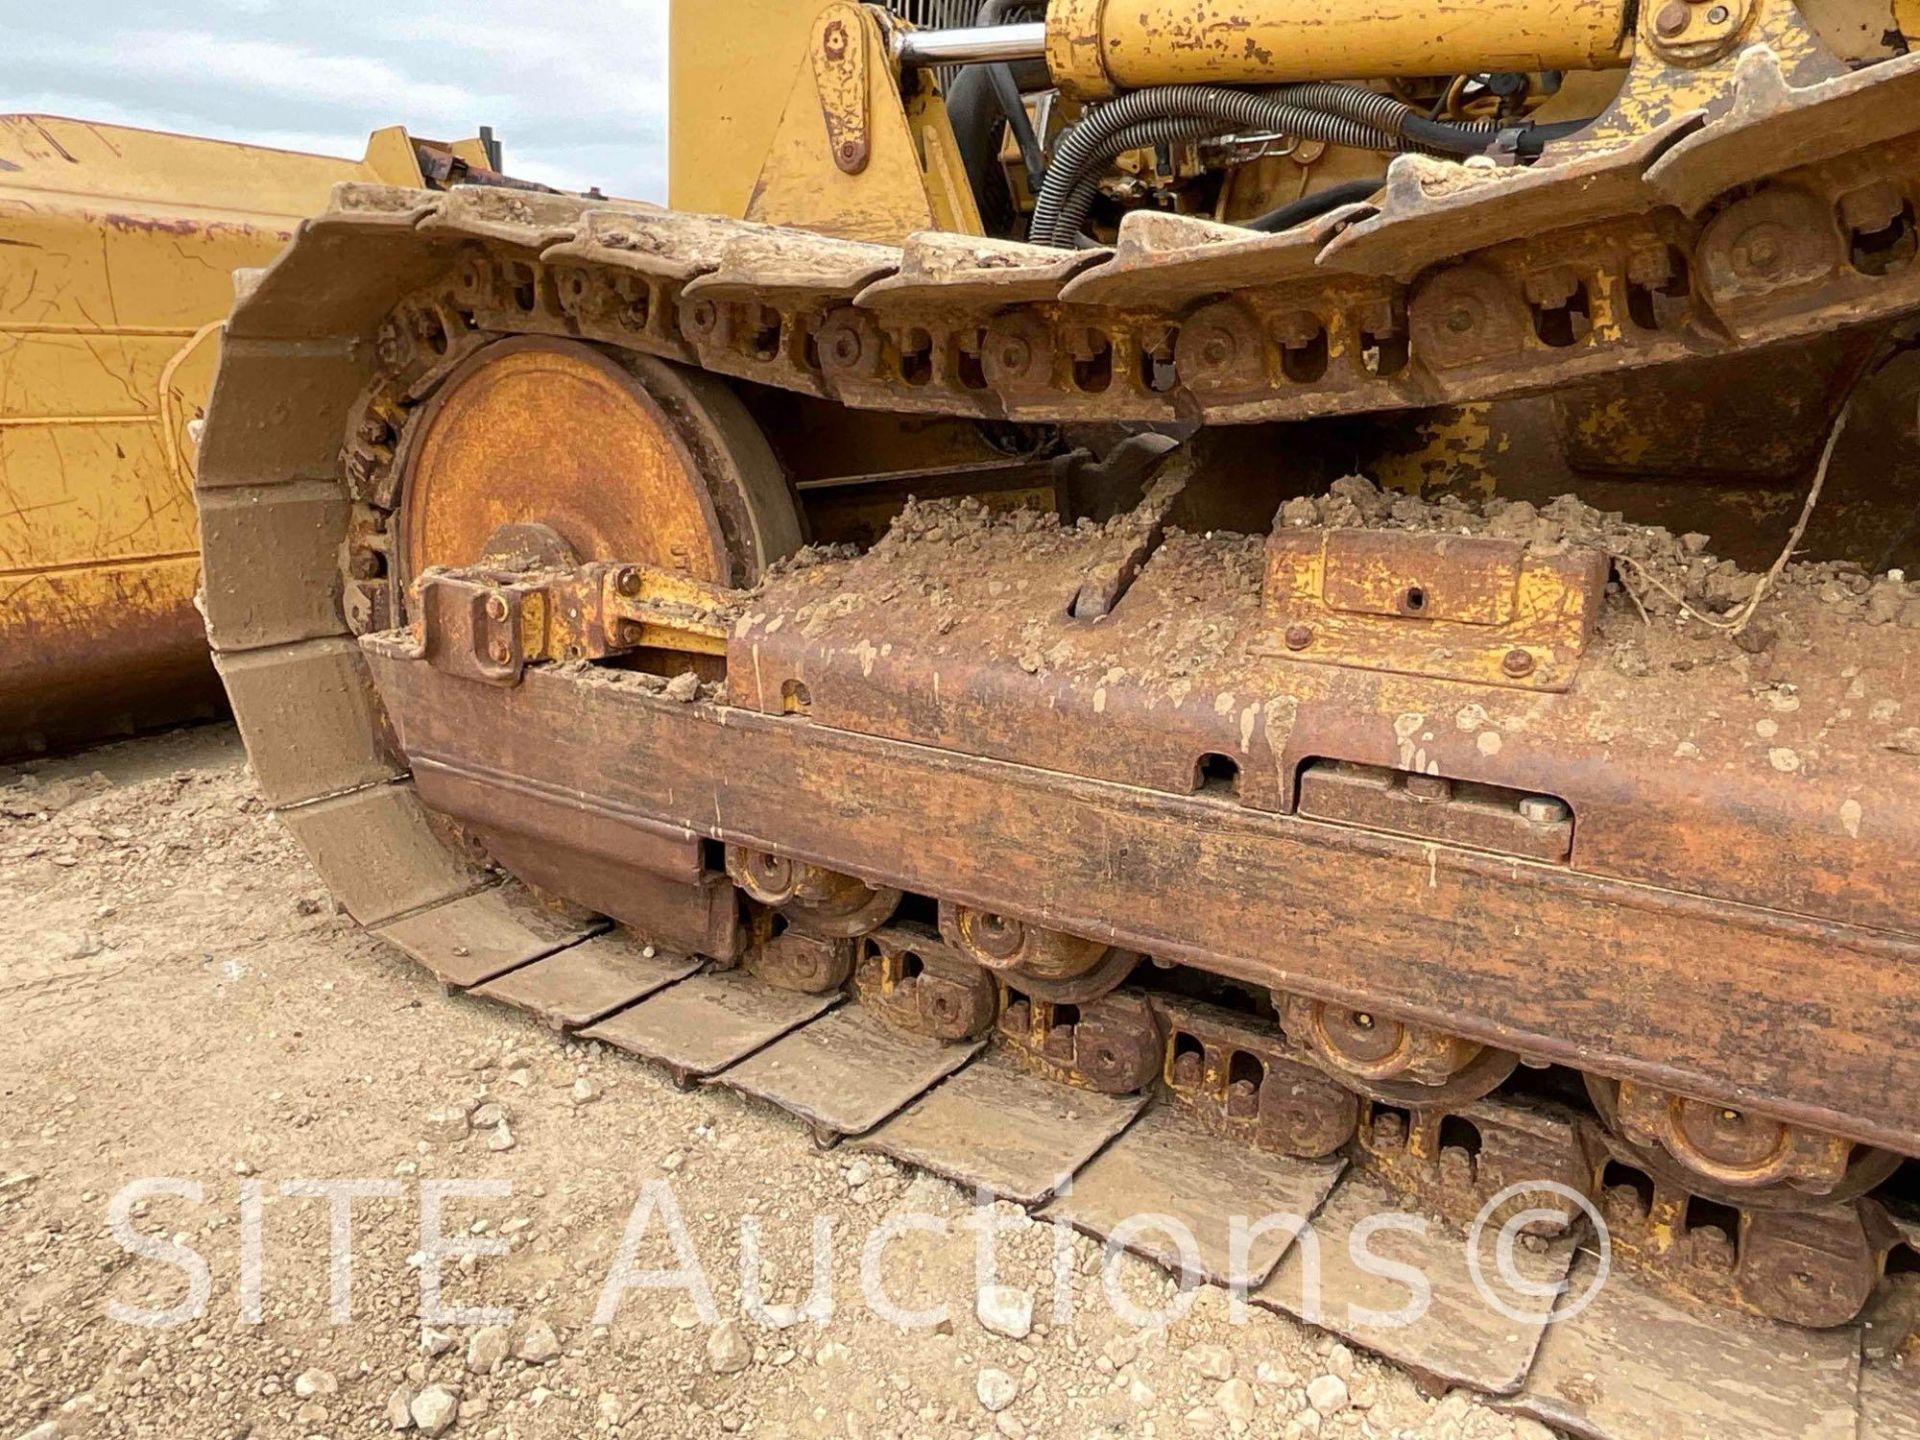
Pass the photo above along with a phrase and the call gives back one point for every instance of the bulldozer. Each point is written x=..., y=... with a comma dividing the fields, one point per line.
x=117, y=250
x=1210, y=600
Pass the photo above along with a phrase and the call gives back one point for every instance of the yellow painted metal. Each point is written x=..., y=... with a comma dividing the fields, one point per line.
x=730, y=64
x=766, y=96
x=910, y=178
x=117, y=253
x=1489, y=611
x=1097, y=48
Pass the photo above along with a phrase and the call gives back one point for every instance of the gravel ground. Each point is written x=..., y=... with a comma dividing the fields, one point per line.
x=185, y=1005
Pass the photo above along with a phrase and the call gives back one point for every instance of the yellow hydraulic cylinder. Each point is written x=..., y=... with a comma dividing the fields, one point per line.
x=1097, y=48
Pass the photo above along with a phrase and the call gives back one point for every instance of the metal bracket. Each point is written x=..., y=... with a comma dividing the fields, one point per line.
x=1496, y=612
x=489, y=625
x=840, y=71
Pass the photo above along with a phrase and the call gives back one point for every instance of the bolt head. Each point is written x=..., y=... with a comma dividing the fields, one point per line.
x=1718, y=15
x=1299, y=636
x=1670, y=19
x=496, y=607
x=1517, y=662
x=843, y=349
x=1543, y=810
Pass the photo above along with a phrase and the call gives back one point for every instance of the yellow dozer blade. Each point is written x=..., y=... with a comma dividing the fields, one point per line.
x=117, y=253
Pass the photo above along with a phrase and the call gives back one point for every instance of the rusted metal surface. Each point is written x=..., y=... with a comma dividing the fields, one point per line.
x=1403, y=1064
x=1555, y=268
x=1644, y=959
x=551, y=432
x=1244, y=1082
x=920, y=984
x=489, y=624
x=1675, y=785
x=807, y=964
x=1731, y=1154
x=1539, y=827
x=819, y=900
x=913, y=721
x=1111, y=1044
x=1454, y=1161
x=1491, y=611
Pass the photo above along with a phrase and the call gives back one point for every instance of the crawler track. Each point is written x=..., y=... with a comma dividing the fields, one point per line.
x=1732, y=971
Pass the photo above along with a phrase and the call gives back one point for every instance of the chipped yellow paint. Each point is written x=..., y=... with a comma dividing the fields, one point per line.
x=1614, y=429
x=1451, y=607
x=1451, y=456
x=911, y=179
x=755, y=124
x=1098, y=47
x=117, y=263
x=1661, y=87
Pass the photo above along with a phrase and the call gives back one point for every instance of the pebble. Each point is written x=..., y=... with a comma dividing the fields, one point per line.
x=309, y=1383
x=1214, y=1362
x=400, y=1408
x=728, y=1352
x=501, y=1139
x=539, y=1344
x=487, y=1347
x=448, y=1124
x=1328, y=1395
x=583, y=1092
x=1005, y=1311
x=486, y=1116
x=683, y=687
x=996, y=1390
x=435, y=1342
x=1235, y=1400
x=1340, y=1361
x=434, y=1410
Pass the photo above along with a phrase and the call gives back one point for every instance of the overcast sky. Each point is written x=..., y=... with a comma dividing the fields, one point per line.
x=575, y=89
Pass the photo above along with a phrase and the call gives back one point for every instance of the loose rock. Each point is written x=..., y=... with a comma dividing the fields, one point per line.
x=1215, y=1362
x=996, y=1390
x=539, y=1345
x=728, y=1352
x=1005, y=1311
x=309, y=1383
x=434, y=1410
x=487, y=1348
x=400, y=1408
x=1328, y=1395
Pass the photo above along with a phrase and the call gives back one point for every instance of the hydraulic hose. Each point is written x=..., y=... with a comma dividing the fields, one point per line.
x=1203, y=109
x=1310, y=207
x=1344, y=115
